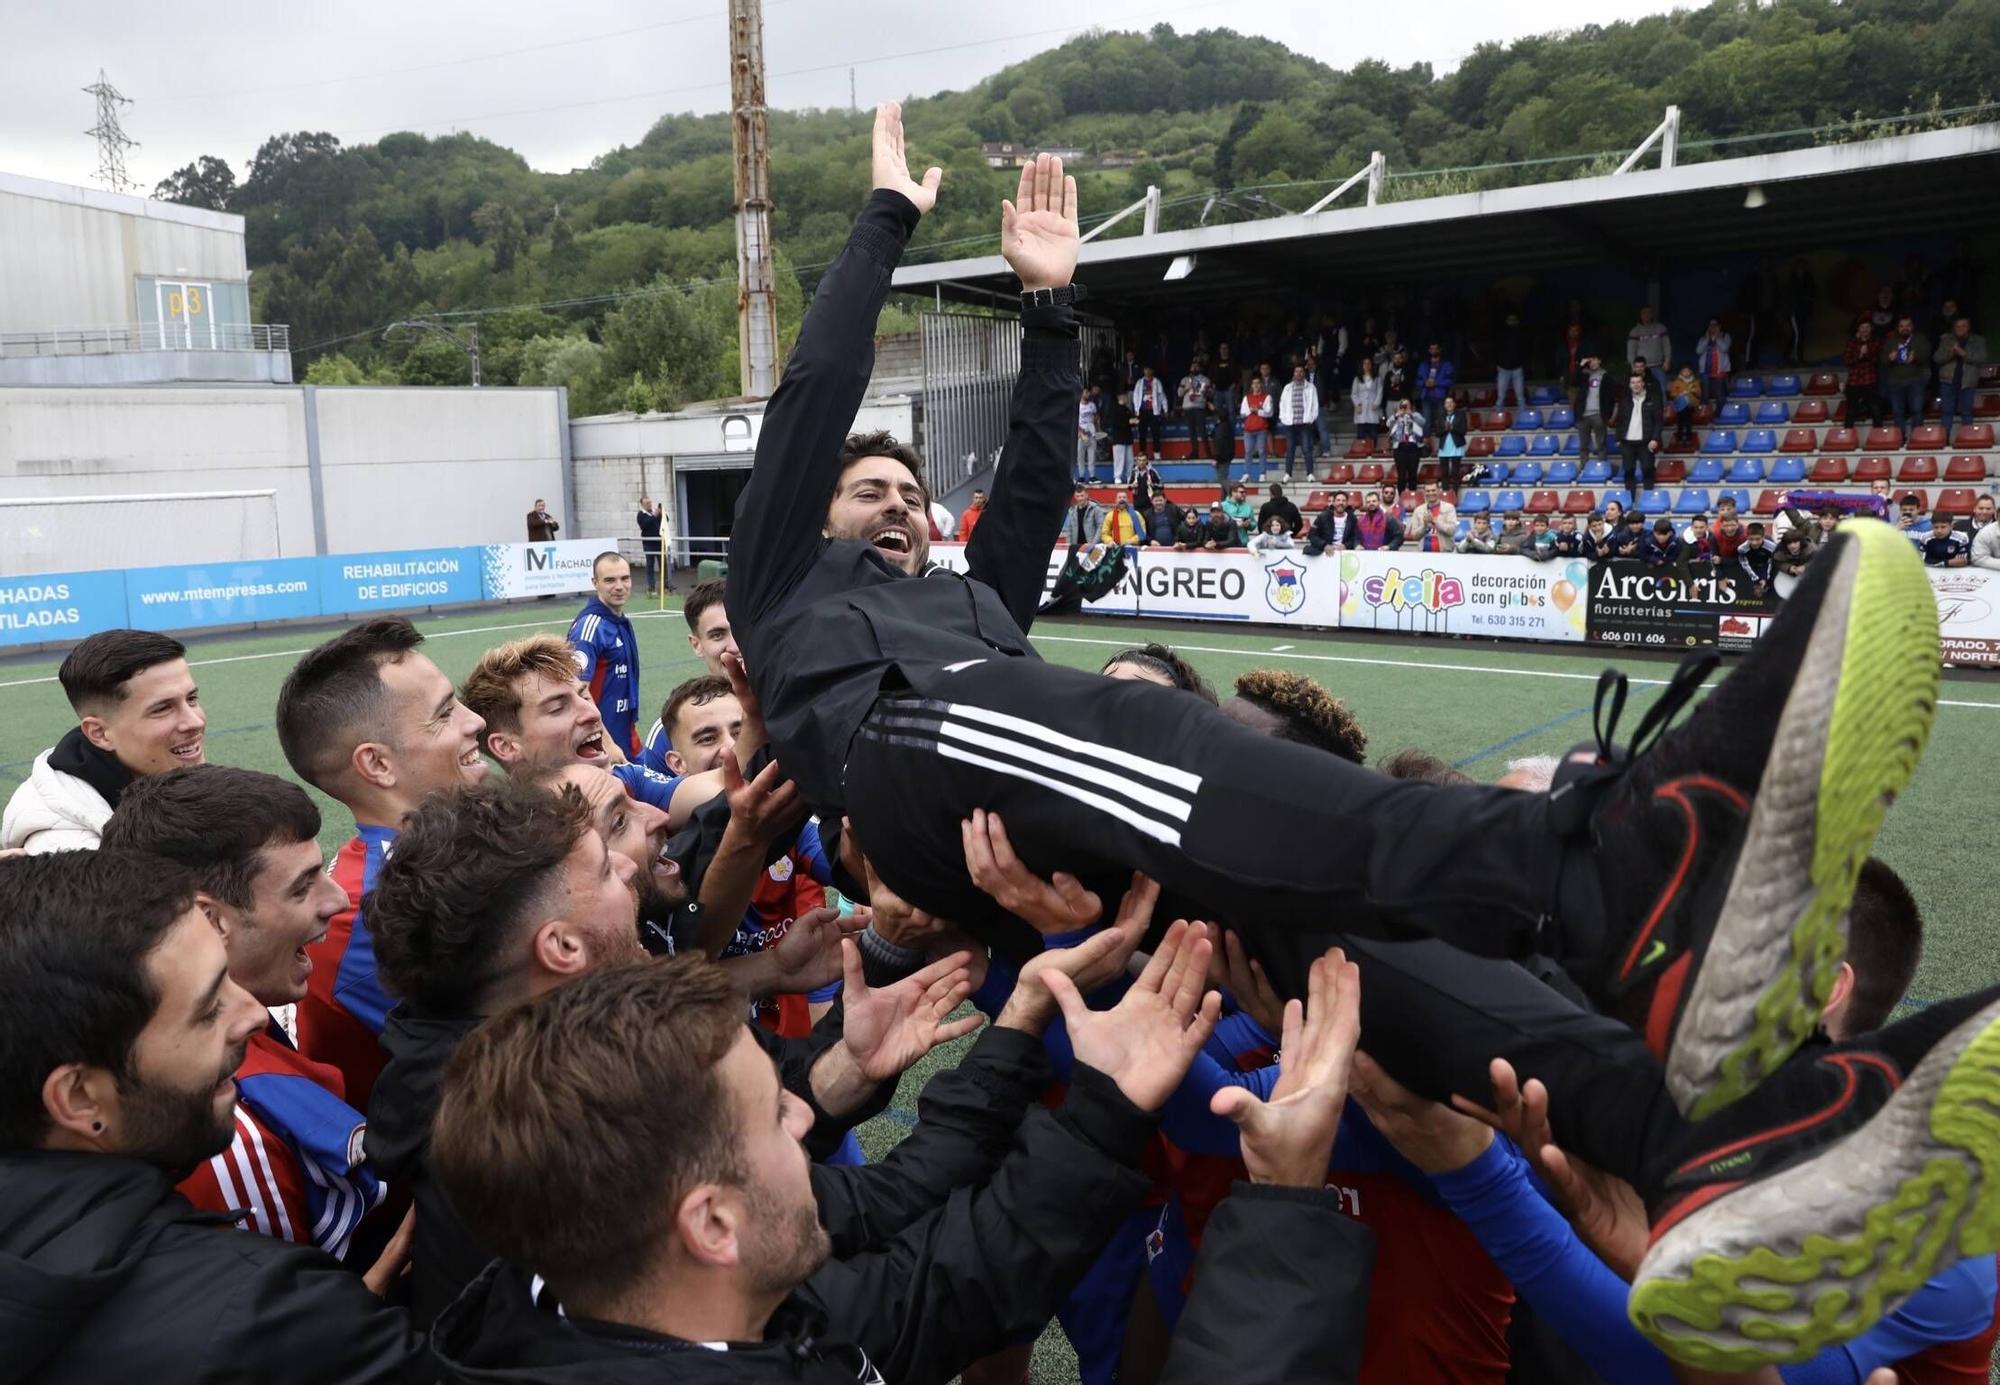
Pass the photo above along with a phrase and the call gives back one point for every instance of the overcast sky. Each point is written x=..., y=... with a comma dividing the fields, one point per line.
x=563, y=83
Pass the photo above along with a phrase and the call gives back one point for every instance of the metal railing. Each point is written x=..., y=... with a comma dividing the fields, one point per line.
x=148, y=336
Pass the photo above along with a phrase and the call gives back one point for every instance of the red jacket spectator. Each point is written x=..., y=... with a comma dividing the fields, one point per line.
x=1863, y=361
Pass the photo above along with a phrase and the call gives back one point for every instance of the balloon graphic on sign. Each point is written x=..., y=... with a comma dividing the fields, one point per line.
x=1576, y=576
x=1564, y=594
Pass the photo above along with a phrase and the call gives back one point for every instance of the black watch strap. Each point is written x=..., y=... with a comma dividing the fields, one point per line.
x=1052, y=298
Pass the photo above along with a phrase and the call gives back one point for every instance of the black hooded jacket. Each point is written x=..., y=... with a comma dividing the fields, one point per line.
x=106, y=1273
x=445, y=1256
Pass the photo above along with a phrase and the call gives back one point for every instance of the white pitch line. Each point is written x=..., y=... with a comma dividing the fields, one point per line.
x=1417, y=664
x=1281, y=648
x=429, y=635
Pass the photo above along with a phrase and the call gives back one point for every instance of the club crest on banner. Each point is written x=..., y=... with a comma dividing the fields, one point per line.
x=1285, y=586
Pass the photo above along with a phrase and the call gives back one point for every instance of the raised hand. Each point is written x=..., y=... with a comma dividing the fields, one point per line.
x=1429, y=1134
x=808, y=956
x=1038, y=232
x=886, y=1030
x=765, y=808
x=1088, y=965
x=1288, y=1140
x=1242, y=975
x=891, y=164
x=751, y=738
x=1146, y=1041
x=1606, y=1211
x=1059, y=904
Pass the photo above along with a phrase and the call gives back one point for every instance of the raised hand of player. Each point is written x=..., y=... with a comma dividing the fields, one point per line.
x=1288, y=1140
x=1429, y=1134
x=808, y=956
x=891, y=163
x=1236, y=971
x=887, y=1029
x=896, y=919
x=765, y=808
x=1038, y=232
x=1088, y=965
x=752, y=736
x=1059, y=904
x=1146, y=1041
x=1606, y=1211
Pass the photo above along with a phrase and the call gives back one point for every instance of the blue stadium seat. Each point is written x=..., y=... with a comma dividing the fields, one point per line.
x=1784, y=386
x=1746, y=387
x=1562, y=416
x=1569, y=448
x=1505, y=502
x=1759, y=440
x=1512, y=445
x=1733, y=414
x=1653, y=502
x=1788, y=471
x=1528, y=420
x=1706, y=471
x=1543, y=394
x=1474, y=502
x=1526, y=474
x=1720, y=442
x=1741, y=497
x=1498, y=470
x=1772, y=414
x=1464, y=528
x=1746, y=470
x=1545, y=445
x=1693, y=501
x=1562, y=473
x=1597, y=473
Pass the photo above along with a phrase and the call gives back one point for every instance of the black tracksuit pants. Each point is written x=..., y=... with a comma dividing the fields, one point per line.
x=1296, y=849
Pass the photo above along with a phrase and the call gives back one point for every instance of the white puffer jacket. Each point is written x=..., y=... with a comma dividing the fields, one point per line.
x=53, y=811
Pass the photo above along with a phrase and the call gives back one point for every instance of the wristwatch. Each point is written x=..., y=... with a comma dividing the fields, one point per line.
x=1053, y=298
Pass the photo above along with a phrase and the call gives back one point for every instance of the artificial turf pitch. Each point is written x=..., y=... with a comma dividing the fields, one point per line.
x=1475, y=704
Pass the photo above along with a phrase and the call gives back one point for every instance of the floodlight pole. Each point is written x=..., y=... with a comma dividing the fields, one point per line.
x=756, y=257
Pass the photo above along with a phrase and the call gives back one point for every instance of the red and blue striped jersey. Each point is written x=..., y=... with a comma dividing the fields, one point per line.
x=340, y=1020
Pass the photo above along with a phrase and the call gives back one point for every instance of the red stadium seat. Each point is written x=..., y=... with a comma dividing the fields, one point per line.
x=1481, y=397
x=1472, y=417
x=1767, y=503
x=1544, y=503
x=1341, y=474
x=1986, y=406
x=1429, y=471
x=1318, y=500
x=1923, y=498
x=1989, y=374
x=1671, y=471
x=1884, y=438
x=1871, y=469
x=1579, y=502
x=1917, y=469
x=1500, y=420
x=1930, y=437
x=1975, y=436
x=1676, y=445
x=1369, y=474
x=1810, y=411
x=1361, y=447
x=1800, y=440
x=1839, y=440
x=1823, y=382
x=1704, y=414
x=1197, y=496
x=1965, y=469
x=1957, y=501
x=1830, y=471
x=1481, y=446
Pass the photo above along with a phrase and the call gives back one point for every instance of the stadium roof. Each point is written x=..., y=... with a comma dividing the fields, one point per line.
x=1831, y=194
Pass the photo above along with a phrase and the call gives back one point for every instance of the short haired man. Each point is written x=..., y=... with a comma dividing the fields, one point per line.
x=975, y=510
x=250, y=841
x=538, y=715
x=138, y=713
x=542, y=526
x=370, y=721
x=705, y=1231
x=650, y=519
x=1981, y=516
x=607, y=651
x=710, y=638
x=1372, y=526
x=500, y=892
x=123, y=1032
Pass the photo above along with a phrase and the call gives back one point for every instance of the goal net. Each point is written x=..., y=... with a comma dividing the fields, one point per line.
x=80, y=533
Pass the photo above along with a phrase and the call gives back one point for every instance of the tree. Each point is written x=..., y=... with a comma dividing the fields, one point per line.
x=207, y=182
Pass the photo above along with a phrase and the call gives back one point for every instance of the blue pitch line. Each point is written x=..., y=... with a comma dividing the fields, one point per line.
x=1519, y=736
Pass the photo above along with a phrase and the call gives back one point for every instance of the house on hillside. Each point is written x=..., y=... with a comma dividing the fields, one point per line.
x=1006, y=154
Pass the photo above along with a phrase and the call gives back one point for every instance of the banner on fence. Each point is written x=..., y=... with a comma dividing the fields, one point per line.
x=540, y=569
x=1968, y=600
x=1462, y=594
x=60, y=606
x=191, y=596
x=1676, y=607
x=352, y=582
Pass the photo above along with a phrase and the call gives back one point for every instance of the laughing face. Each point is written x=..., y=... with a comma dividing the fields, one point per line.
x=157, y=724
x=434, y=738
x=560, y=725
x=880, y=503
x=292, y=900
x=634, y=830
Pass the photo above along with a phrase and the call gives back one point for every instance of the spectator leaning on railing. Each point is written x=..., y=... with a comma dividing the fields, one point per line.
x=1512, y=535
x=1479, y=539
x=1329, y=527
x=1371, y=526
x=1212, y=531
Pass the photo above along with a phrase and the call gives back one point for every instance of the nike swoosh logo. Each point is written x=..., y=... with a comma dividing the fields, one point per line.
x=1654, y=953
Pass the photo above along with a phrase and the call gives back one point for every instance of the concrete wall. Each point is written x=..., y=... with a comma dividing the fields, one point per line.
x=404, y=467
x=150, y=368
x=69, y=256
x=399, y=468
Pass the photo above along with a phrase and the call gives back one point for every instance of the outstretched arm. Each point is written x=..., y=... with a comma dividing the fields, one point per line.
x=1009, y=551
x=783, y=510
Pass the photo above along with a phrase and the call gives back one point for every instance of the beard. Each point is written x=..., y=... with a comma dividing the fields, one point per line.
x=175, y=1129
x=785, y=1244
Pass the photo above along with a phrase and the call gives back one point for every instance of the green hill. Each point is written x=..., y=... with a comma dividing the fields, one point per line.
x=630, y=261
